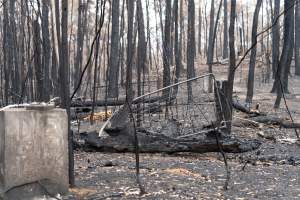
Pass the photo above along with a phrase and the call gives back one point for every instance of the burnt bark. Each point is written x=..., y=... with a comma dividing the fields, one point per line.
x=130, y=52
x=38, y=62
x=275, y=38
x=46, y=50
x=158, y=143
x=167, y=48
x=79, y=43
x=191, y=47
x=113, y=72
x=212, y=40
x=281, y=79
x=200, y=31
x=225, y=31
x=178, y=55
x=297, y=39
x=251, y=72
x=232, y=62
x=65, y=84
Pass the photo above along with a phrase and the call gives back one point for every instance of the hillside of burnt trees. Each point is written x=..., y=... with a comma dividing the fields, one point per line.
x=87, y=48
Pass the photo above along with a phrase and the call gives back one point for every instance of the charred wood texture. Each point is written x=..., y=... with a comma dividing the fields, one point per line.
x=149, y=143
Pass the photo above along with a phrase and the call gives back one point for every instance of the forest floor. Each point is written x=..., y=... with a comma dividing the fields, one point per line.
x=271, y=172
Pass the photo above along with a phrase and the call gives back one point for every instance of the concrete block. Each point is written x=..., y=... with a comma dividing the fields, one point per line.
x=33, y=149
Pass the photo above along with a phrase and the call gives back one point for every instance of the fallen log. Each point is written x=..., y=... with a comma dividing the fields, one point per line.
x=115, y=102
x=276, y=121
x=253, y=113
x=241, y=122
x=158, y=143
x=82, y=112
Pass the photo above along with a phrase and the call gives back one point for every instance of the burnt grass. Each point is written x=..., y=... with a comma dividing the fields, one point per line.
x=270, y=172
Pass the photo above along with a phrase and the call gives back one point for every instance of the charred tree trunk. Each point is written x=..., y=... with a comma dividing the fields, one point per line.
x=54, y=60
x=250, y=83
x=297, y=40
x=281, y=79
x=113, y=73
x=177, y=48
x=275, y=38
x=167, y=48
x=130, y=47
x=6, y=50
x=212, y=36
x=210, y=51
x=181, y=33
x=46, y=50
x=65, y=84
x=191, y=47
x=200, y=31
x=231, y=70
x=37, y=62
x=225, y=31
x=15, y=76
x=79, y=44
x=142, y=51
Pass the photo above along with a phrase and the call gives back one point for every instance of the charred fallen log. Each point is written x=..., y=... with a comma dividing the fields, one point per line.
x=255, y=116
x=157, y=143
x=276, y=121
x=81, y=112
x=116, y=102
x=253, y=113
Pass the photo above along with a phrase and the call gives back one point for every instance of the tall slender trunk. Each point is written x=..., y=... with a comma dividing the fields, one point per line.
x=250, y=83
x=46, y=50
x=113, y=71
x=64, y=82
x=281, y=77
x=275, y=38
x=129, y=62
x=177, y=48
x=211, y=30
x=191, y=46
x=297, y=40
x=142, y=51
x=79, y=44
x=199, y=29
x=6, y=50
x=37, y=62
x=181, y=33
x=232, y=62
x=167, y=48
x=212, y=36
x=225, y=31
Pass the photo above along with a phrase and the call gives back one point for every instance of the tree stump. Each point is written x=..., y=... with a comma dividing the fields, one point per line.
x=223, y=107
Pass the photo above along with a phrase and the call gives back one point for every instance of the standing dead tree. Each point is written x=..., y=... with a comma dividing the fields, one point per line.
x=113, y=70
x=250, y=81
x=281, y=78
x=64, y=82
x=191, y=46
x=232, y=64
x=212, y=39
x=225, y=37
x=167, y=48
x=297, y=39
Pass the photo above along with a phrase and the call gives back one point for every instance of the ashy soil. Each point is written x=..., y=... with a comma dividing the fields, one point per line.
x=271, y=172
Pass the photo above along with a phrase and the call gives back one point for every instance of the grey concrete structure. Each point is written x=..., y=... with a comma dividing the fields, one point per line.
x=33, y=151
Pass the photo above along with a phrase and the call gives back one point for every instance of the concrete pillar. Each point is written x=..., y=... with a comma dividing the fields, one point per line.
x=33, y=151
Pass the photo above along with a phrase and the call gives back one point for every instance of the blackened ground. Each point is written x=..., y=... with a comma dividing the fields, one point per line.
x=271, y=172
